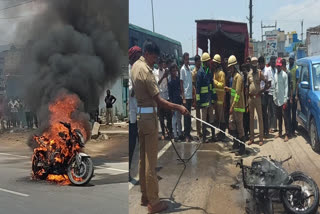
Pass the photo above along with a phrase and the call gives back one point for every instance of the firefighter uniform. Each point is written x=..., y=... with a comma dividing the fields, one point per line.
x=237, y=101
x=254, y=79
x=198, y=115
x=145, y=87
x=204, y=95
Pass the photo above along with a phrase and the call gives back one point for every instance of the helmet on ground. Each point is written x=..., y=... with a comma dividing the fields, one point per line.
x=205, y=57
x=217, y=59
x=232, y=60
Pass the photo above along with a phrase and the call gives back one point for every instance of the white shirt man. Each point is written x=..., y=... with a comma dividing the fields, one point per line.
x=267, y=76
x=272, y=72
x=133, y=106
x=163, y=87
x=280, y=92
x=186, y=77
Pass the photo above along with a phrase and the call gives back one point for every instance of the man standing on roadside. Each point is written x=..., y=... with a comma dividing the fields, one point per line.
x=186, y=92
x=219, y=84
x=134, y=54
x=163, y=87
x=271, y=105
x=204, y=95
x=255, y=77
x=265, y=85
x=148, y=98
x=293, y=68
x=109, y=100
x=237, y=107
x=194, y=83
x=287, y=110
x=280, y=96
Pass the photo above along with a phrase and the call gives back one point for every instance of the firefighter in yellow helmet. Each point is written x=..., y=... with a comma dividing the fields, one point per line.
x=237, y=107
x=204, y=94
x=219, y=84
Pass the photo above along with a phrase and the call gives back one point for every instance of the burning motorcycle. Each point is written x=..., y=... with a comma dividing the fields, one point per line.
x=266, y=180
x=63, y=157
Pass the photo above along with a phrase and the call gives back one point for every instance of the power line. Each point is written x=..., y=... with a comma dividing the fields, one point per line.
x=16, y=5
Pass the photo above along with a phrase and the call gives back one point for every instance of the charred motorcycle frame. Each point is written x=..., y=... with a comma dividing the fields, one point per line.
x=267, y=181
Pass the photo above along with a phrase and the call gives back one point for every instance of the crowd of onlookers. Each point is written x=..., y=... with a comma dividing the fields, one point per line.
x=269, y=88
x=14, y=113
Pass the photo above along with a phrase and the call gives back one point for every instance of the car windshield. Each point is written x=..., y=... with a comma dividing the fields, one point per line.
x=316, y=76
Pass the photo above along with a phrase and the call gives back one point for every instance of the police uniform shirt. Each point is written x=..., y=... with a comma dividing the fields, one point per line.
x=144, y=83
x=254, y=80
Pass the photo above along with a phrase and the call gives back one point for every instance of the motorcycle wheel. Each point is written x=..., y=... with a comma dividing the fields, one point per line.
x=39, y=171
x=305, y=201
x=81, y=175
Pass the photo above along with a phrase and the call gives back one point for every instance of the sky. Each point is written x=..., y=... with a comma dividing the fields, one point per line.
x=176, y=18
x=10, y=18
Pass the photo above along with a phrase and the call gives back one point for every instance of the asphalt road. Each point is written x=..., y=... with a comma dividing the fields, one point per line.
x=106, y=193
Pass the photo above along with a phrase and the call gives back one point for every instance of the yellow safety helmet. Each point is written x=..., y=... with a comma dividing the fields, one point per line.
x=217, y=58
x=205, y=57
x=232, y=60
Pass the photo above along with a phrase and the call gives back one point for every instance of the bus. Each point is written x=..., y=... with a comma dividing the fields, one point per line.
x=168, y=47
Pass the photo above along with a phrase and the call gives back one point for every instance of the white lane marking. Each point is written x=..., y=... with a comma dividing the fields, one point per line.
x=19, y=156
x=114, y=169
x=160, y=153
x=13, y=192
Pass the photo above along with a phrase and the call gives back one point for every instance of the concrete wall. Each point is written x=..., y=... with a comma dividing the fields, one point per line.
x=314, y=45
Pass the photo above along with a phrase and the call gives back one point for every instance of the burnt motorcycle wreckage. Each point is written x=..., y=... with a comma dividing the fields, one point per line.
x=267, y=181
x=63, y=159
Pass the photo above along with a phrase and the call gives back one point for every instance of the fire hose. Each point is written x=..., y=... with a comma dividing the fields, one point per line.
x=184, y=161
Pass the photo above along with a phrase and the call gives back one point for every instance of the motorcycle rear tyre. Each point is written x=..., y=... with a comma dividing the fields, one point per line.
x=300, y=176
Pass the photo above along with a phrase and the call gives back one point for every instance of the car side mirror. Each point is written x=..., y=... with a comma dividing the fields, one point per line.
x=305, y=85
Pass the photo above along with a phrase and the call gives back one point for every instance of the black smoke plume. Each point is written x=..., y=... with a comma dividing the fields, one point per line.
x=70, y=50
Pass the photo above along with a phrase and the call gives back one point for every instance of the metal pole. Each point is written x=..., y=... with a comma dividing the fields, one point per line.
x=152, y=15
x=250, y=18
x=302, y=31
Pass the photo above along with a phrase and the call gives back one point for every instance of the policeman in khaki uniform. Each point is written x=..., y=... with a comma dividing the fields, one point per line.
x=237, y=106
x=255, y=77
x=219, y=84
x=148, y=98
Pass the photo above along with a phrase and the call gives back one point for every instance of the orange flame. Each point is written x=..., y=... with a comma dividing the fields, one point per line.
x=51, y=142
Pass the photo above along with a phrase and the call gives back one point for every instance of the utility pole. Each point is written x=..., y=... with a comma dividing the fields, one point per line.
x=152, y=15
x=302, y=30
x=250, y=17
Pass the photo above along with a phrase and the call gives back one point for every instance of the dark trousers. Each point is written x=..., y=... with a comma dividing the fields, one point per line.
x=187, y=119
x=246, y=123
x=293, y=111
x=264, y=102
x=165, y=114
x=283, y=114
x=29, y=119
x=287, y=118
x=133, y=135
x=272, y=113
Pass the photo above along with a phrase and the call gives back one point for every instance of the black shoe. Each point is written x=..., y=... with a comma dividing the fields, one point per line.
x=181, y=138
x=214, y=139
x=203, y=141
x=176, y=139
x=242, y=149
